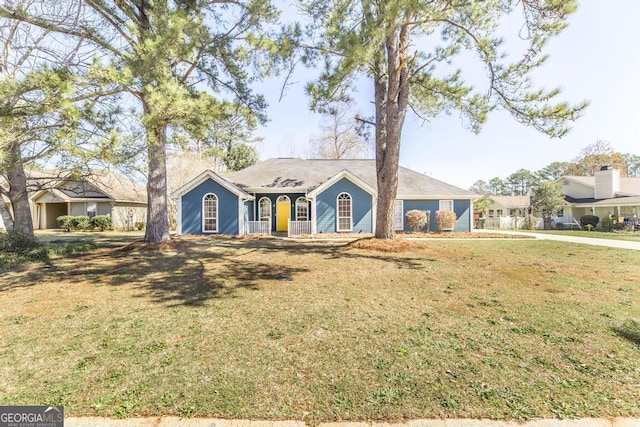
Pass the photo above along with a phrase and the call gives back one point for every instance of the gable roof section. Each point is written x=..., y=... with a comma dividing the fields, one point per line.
x=589, y=181
x=209, y=174
x=300, y=175
x=629, y=186
x=340, y=175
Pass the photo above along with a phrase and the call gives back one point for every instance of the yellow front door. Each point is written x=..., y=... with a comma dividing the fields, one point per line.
x=283, y=213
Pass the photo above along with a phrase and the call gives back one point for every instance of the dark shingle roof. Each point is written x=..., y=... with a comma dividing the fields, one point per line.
x=305, y=175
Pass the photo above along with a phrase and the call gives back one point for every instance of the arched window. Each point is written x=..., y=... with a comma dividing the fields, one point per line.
x=302, y=209
x=343, y=208
x=210, y=213
x=264, y=209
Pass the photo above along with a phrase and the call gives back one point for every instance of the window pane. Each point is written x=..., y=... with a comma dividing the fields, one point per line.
x=210, y=213
x=344, y=212
x=265, y=209
x=446, y=205
x=302, y=209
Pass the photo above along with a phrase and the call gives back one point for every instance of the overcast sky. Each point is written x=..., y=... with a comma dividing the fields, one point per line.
x=596, y=58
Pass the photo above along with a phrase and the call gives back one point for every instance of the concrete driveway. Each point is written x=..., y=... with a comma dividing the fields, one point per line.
x=620, y=244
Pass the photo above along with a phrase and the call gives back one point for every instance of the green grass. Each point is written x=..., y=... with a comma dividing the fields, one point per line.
x=617, y=235
x=270, y=329
x=15, y=253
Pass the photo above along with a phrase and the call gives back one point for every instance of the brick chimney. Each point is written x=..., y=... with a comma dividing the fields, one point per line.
x=607, y=183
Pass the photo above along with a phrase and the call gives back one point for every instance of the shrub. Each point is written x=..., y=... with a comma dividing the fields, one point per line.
x=81, y=222
x=140, y=225
x=589, y=220
x=101, y=221
x=609, y=223
x=65, y=221
x=446, y=220
x=417, y=219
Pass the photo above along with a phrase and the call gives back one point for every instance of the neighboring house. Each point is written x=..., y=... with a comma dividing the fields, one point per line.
x=308, y=197
x=511, y=206
x=507, y=211
x=605, y=193
x=101, y=193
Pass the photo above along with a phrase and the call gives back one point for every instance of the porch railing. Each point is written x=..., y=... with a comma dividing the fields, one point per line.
x=257, y=227
x=299, y=227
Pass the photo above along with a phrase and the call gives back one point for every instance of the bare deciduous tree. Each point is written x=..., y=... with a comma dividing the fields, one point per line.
x=341, y=136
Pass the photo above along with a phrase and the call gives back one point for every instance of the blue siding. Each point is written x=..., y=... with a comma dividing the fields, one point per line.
x=460, y=207
x=192, y=209
x=249, y=211
x=362, y=203
x=273, y=197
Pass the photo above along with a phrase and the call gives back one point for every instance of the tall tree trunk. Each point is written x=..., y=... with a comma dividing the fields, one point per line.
x=391, y=98
x=21, y=224
x=157, y=229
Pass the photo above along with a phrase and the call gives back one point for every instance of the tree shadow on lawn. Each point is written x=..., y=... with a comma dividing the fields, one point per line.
x=327, y=249
x=189, y=276
x=193, y=271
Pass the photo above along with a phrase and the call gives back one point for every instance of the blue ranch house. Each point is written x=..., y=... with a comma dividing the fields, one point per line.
x=300, y=196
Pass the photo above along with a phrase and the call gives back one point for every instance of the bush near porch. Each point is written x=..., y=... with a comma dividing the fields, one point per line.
x=101, y=222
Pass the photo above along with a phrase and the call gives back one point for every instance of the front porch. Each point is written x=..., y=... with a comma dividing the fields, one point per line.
x=293, y=228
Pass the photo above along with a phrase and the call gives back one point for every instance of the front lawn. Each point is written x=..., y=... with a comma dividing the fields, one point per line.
x=272, y=329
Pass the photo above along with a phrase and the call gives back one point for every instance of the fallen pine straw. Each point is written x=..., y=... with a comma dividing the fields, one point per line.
x=387, y=245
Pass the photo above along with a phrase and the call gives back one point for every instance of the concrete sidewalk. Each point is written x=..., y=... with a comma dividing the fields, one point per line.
x=213, y=422
x=620, y=244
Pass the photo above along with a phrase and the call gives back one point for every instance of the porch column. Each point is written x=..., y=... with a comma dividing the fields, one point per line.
x=240, y=216
x=314, y=225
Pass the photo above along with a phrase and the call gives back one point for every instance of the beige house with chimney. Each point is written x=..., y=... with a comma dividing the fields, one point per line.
x=605, y=193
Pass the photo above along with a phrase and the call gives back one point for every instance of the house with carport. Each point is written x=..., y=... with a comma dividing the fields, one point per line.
x=102, y=192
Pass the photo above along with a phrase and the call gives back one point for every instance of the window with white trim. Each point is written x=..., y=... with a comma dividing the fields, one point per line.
x=446, y=205
x=210, y=213
x=92, y=209
x=398, y=215
x=264, y=209
x=302, y=209
x=343, y=208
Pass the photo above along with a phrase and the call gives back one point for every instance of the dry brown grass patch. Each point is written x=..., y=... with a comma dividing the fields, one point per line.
x=387, y=245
